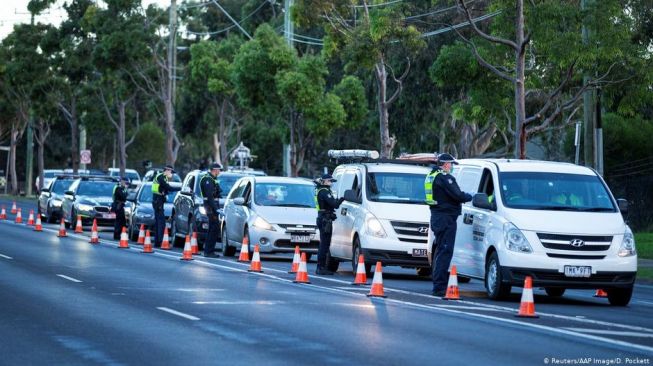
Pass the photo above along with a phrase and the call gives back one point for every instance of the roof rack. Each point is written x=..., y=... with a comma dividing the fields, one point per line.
x=371, y=156
x=100, y=177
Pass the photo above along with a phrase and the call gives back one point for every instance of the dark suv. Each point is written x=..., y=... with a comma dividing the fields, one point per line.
x=188, y=212
x=90, y=197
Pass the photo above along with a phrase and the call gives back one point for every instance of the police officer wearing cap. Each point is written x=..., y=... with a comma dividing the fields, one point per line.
x=326, y=206
x=118, y=206
x=445, y=199
x=210, y=191
x=160, y=190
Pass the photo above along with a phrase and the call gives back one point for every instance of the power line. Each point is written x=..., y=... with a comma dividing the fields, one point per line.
x=231, y=26
x=377, y=5
x=436, y=11
x=305, y=37
x=460, y=25
x=307, y=42
x=232, y=19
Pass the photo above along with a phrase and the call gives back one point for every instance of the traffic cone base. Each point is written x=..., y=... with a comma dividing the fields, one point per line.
x=165, y=244
x=62, y=229
x=295, y=261
x=124, y=239
x=601, y=293
x=187, y=254
x=302, y=272
x=527, y=304
x=78, y=228
x=453, y=292
x=147, y=245
x=377, y=282
x=361, y=275
x=256, y=261
x=38, y=226
x=244, y=251
x=193, y=244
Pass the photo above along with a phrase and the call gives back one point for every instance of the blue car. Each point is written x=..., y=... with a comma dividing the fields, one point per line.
x=142, y=212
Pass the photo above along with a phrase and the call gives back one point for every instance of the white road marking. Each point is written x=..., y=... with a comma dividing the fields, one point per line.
x=175, y=312
x=464, y=307
x=254, y=302
x=644, y=302
x=5, y=256
x=612, y=332
x=69, y=278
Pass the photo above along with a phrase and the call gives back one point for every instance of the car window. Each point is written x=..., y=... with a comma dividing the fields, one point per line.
x=468, y=179
x=395, y=187
x=146, y=195
x=74, y=185
x=346, y=182
x=96, y=189
x=60, y=186
x=337, y=175
x=247, y=192
x=226, y=183
x=237, y=192
x=49, y=174
x=284, y=195
x=189, y=183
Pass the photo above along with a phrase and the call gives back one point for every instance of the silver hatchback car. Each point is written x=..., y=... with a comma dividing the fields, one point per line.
x=277, y=213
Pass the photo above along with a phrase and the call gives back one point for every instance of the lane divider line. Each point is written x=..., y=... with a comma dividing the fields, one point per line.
x=69, y=278
x=178, y=313
x=5, y=256
x=612, y=332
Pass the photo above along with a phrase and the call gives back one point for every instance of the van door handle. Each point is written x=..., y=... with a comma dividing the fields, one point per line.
x=468, y=219
x=343, y=211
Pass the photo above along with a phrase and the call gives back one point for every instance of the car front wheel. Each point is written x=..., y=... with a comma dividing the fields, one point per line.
x=356, y=251
x=496, y=289
x=620, y=296
x=227, y=250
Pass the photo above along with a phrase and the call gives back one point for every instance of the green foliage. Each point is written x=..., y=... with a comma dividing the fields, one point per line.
x=352, y=96
x=148, y=145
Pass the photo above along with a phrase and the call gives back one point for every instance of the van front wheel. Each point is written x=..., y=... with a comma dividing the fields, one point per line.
x=620, y=296
x=496, y=289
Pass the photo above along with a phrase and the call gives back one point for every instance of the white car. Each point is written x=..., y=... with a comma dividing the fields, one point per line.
x=555, y=222
x=48, y=176
x=277, y=213
x=131, y=174
x=384, y=215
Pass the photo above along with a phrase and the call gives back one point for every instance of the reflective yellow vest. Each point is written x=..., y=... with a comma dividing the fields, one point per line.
x=317, y=191
x=428, y=187
x=155, y=184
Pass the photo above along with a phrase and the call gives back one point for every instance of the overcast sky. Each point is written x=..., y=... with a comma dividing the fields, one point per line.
x=15, y=11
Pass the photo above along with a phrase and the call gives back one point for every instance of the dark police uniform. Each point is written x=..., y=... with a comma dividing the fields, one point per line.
x=326, y=206
x=210, y=191
x=118, y=207
x=445, y=209
x=160, y=190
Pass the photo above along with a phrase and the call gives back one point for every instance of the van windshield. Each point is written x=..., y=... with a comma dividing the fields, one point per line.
x=396, y=188
x=555, y=192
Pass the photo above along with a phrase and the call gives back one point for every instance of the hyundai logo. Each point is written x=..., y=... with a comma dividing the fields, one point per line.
x=577, y=243
x=423, y=230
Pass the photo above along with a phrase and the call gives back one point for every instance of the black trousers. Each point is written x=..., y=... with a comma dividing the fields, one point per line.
x=214, y=231
x=159, y=219
x=444, y=228
x=120, y=222
x=325, y=242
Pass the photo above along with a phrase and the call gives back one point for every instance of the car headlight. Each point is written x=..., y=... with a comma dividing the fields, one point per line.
x=144, y=215
x=84, y=207
x=627, y=247
x=515, y=239
x=260, y=223
x=56, y=203
x=373, y=227
x=202, y=210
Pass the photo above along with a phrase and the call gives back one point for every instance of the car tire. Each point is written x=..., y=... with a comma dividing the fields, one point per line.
x=424, y=271
x=227, y=250
x=133, y=232
x=356, y=251
x=620, y=296
x=496, y=289
x=173, y=231
x=69, y=225
x=49, y=217
x=332, y=264
x=192, y=228
x=555, y=291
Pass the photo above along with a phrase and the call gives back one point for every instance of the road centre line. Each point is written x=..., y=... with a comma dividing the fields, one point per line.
x=177, y=313
x=5, y=256
x=612, y=332
x=69, y=278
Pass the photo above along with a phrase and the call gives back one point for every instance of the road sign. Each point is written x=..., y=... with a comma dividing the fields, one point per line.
x=85, y=156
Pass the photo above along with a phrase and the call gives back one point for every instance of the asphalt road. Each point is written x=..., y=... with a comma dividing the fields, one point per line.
x=67, y=302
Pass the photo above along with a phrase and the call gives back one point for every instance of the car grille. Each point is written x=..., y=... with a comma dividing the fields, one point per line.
x=284, y=243
x=570, y=256
x=292, y=228
x=101, y=209
x=563, y=242
x=556, y=276
x=411, y=232
x=394, y=256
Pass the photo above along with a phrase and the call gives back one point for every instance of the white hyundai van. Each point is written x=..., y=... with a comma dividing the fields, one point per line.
x=555, y=222
x=384, y=215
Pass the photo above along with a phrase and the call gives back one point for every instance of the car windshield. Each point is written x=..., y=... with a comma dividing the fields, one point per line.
x=285, y=194
x=61, y=185
x=555, y=191
x=226, y=183
x=49, y=174
x=130, y=175
x=396, y=188
x=146, y=195
x=96, y=189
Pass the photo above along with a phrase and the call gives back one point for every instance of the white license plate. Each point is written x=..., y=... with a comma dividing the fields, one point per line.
x=578, y=271
x=109, y=215
x=301, y=238
x=419, y=253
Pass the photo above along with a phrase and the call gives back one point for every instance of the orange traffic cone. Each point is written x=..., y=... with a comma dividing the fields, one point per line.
x=193, y=244
x=601, y=293
x=19, y=217
x=124, y=239
x=78, y=228
x=256, y=261
x=38, y=226
x=95, y=239
x=295, y=261
x=147, y=244
x=13, y=208
x=453, y=292
x=62, y=229
x=165, y=244
x=30, y=219
x=361, y=276
x=3, y=213
x=244, y=251
x=377, y=282
x=141, y=235
x=187, y=255
x=527, y=306
x=302, y=272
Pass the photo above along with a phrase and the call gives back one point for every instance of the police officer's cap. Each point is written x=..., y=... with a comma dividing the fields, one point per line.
x=215, y=166
x=170, y=168
x=125, y=179
x=446, y=158
x=328, y=176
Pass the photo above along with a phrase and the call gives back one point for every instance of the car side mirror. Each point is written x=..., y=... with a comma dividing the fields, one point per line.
x=45, y=190
x=481, y=200
x=70, y=193
x=186, y=191
x=623, y=206
x=240, y=201
x=352, y=196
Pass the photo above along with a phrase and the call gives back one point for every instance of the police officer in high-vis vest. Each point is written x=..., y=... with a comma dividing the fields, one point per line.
x=160, y=190
x=118, y=206
x=210, y=191
x=445, y=199
x=326, y=212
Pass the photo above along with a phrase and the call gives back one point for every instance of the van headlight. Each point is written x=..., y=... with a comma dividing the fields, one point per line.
x=56, y=203
x=202, y=210
x=260, y=223
x=515, y=239
x=373, y=227
x=627, y=247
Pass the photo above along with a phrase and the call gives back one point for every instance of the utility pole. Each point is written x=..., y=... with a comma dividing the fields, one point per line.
x=588, y=116
x=599, y=134
x=30, y=146
x=82, y=145
x=172, y=59
x=288, y=33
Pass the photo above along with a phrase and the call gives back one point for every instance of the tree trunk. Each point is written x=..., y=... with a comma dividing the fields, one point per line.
x=520, y=79
x=74, y=135
x=171, y=156
x=122, y=148
x=384, y=128
x=223, y=137
x=40, y=163
x=293, y=146
x=12, y=159
x=216, y=148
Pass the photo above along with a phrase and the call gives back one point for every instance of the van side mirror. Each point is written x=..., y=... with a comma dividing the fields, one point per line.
x=623, y=206
x=240, y=201
x=352, y=196
x=186, y=191
x=70, y=193
x=481, y=200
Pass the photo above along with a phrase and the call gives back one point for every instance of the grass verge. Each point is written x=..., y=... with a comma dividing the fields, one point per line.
x=645, y=274
x=644, y=242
